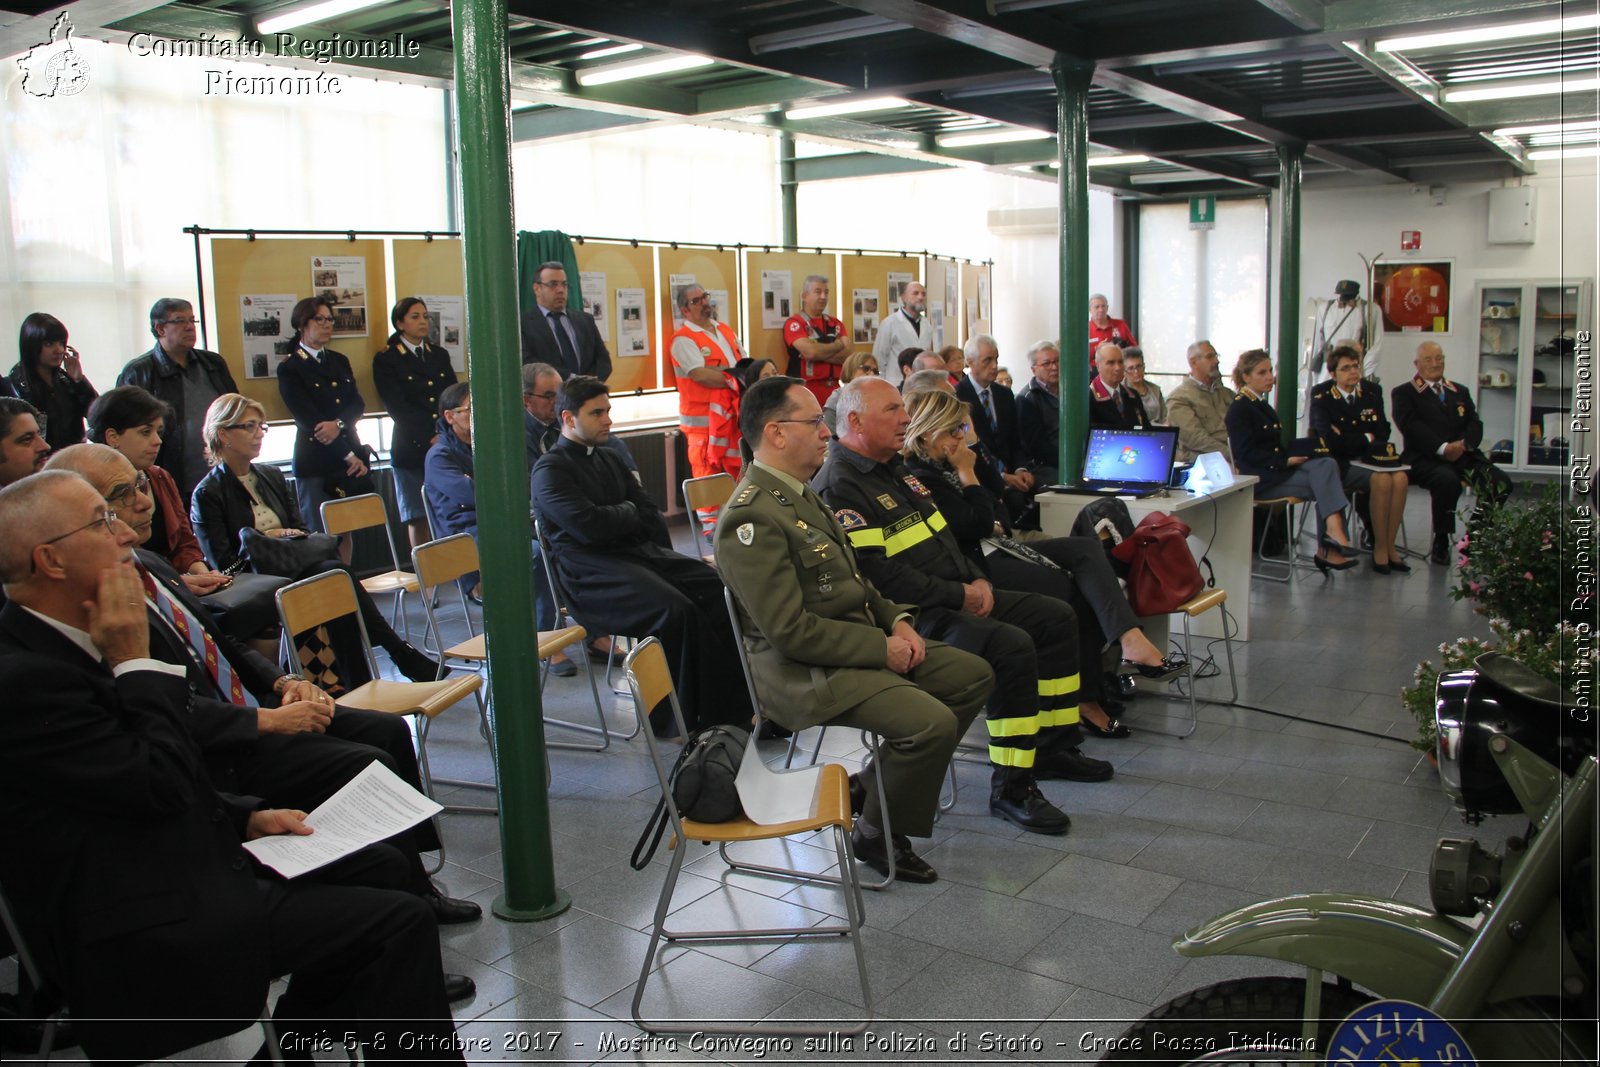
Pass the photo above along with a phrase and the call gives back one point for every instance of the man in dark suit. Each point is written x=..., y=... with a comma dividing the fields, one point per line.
x=122, y=862
x=1111, y=402
x=613, y=559
x=994, y=418
x=568, y=340
x=1442, y=432
x=285, y=741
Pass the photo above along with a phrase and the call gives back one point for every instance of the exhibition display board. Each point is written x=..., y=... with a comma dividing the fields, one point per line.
x=255, y=285
x=772, y=282
x=432, y=270
x=943, y=283
x=619, y=290
x=977, y=300
x=867, y=292
x=715, y=270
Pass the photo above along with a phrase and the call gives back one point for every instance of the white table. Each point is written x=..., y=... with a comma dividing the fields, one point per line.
x=1219, y=524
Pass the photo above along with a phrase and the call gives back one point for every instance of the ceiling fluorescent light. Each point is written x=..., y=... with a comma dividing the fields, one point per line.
x=1481, y=34
x=846, y=107
x=1547, y=127
x=1130, y=160
x=1565, y=153
x=291, y=20
x=1508, y=92
x=611, y=50
x=620, y=72
x=972, y=140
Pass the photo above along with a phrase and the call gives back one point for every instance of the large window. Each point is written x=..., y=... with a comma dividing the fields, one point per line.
x=1202, y=283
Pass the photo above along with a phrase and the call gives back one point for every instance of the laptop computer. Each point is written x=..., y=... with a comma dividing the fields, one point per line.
x=1125, y=462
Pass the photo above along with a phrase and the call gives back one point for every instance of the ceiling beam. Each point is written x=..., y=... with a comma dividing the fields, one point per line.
x=858, y=165
x=549, y=123
x=1301, y=14
x=20, y=30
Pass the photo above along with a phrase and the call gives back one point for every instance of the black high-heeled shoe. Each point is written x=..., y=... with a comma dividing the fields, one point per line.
x=1171, y=665
x=1327, y=566
x=1330, y=545
x=1380, y=568
x=1113, y=728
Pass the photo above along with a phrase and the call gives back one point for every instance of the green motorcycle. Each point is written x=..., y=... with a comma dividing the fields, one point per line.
x=1502, y=970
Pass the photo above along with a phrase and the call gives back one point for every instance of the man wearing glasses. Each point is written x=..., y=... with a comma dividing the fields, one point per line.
x=566, y=339
x=1039, y=411
x=703, y=351
x=185, y=378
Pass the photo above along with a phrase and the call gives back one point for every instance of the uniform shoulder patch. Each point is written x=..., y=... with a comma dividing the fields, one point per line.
x=746, y=533
x=916, y=486
x=850, y=519
x=747, y=492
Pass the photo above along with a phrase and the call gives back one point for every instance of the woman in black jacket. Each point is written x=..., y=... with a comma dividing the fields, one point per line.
x=411, y=374
x=1072, y=569
x=1256, y=439
x=319, y=389
x=49, y=375
x=241, y=494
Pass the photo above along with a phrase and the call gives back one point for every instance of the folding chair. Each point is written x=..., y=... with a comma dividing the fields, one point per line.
x=443, y=561
x=650, y=683
x=708, y=493
x=313, y=602
x=561, y=599
x=1278, y=568
x=1199, y=604
x=363, y=512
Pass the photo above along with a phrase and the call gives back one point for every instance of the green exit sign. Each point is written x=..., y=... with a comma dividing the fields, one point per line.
x=1202, y=212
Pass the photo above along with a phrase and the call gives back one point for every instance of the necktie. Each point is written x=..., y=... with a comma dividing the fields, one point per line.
x=1350, y=399
x=1116, y=396
x=564, y=342
x=1439, y=390
x=548, y=439
x=193, y=631
x=988, y=406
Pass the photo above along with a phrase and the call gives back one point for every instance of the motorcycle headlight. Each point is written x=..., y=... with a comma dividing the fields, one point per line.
x=1498, y=695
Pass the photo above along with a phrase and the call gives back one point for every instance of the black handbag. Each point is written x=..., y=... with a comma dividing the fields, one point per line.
x=703, y=784
x=287, y=557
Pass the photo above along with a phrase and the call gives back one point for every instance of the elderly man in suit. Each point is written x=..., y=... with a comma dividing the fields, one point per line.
x=825, y=646
x=1111, y=402
x=1442, y=431
x=566, y=339
x=123, y=863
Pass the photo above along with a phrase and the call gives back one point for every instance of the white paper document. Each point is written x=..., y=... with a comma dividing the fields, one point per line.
x=772, y=797
x=372, y=806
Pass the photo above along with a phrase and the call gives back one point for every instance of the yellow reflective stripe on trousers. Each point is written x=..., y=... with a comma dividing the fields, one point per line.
x=866, y=538
x=1059, y=717
x=1002, y=756
x=1016, y=726
x=1058, y=687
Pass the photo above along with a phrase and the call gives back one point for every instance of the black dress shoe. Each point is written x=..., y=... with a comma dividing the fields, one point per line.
x=458, y=987
x=1112, y=706
x=858, y=794
x=1126, y=686
x=1171, y=665
x=1113, y=728
x=908, y=866
x=1399, y=566
x=1071, y=765
x=450, y=910
x=771, y=731
x=1029, y=809
x=414, y=665
x=1441, y=550
x=1366, y=538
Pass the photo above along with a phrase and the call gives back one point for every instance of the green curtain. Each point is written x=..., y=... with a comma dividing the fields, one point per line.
x=542, y=247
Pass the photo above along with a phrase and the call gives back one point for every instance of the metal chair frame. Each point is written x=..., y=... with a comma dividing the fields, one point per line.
x=709, y=492
x=558, y=594
x=650, y=682
x=1267, y=567
x=394, y=580
x=1197, y=605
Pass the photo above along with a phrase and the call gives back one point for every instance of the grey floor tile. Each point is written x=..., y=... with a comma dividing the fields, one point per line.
x=1392, y=844
x=490, y=939
x=1387, y=763
x=495, y=987
x=886, y=909
x=1294, y=826
x=1000, y=865
x=1121, y=960
x=1392, y=803
x=1086, y=1025
x=1287, y=785
x=1294, y=871
x=828, y=966
x=586, y=961
x=992, y=926
x=629, y=897
x=1414, y=890
x=1258, y=746
x=1186, y=853
x=1113, y=838
x=956, y=989
x=1194, y=903
x=732, y=908
x=1107, y=890
x=1198, y=809
x=1112, y=797
x=1182, y=766
x=694, y=987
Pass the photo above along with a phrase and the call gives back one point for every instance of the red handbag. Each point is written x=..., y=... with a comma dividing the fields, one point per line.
x=1162, y=573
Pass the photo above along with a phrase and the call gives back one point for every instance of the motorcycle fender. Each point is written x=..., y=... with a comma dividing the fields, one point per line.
x=1393, y=949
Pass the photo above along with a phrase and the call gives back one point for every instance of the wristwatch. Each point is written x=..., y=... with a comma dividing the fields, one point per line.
x=282, y=683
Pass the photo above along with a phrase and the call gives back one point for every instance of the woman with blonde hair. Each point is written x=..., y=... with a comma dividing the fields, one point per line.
x=1071, y=569
x=240, y=493
x=856, y=365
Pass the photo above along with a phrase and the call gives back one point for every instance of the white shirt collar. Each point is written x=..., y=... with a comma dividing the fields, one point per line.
x=78, y=637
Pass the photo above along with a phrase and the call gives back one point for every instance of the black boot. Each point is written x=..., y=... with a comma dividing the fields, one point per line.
x=1441, y=550
x=1014, y=796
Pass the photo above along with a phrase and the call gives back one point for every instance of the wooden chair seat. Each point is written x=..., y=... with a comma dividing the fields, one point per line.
x=833, y=809
x=411, y=698
x=550, y=642
x=1279, y=501
x=1203, y=602
x=391, y=582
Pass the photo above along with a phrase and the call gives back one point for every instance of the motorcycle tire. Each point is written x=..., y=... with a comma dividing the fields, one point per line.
x=1246, y=1020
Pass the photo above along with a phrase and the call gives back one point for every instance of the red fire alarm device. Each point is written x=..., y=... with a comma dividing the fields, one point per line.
x=1410, y=240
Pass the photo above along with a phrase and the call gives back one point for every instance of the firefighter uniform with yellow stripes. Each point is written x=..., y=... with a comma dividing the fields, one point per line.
x=908, y=554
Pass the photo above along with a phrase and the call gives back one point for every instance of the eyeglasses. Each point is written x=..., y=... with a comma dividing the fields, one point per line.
x=105, y=518
x=815, y=423
x=322, y=318
x=1048, y=363
x=248, y=427
x=551, y=395
x=127, y=495
x=190, y=321
x=699, y=300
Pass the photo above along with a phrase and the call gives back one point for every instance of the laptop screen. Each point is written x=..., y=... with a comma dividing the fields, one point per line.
x=1132, y=457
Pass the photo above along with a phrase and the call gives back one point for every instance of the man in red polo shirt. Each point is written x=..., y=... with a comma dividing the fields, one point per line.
x=816, y=341
x=1103, y=329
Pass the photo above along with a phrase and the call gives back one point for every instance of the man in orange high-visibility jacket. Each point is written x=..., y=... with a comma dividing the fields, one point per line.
x=701, y=350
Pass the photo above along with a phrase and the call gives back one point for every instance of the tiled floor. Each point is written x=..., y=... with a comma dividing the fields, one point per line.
x=1040, y=940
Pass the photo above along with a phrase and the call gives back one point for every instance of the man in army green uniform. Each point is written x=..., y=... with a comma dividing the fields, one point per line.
x=824, y=645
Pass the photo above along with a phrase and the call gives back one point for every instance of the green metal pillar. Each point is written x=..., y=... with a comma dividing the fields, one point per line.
x=1289, y=159
x=1072, y=78
x=500, y=462
x=789, y=191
